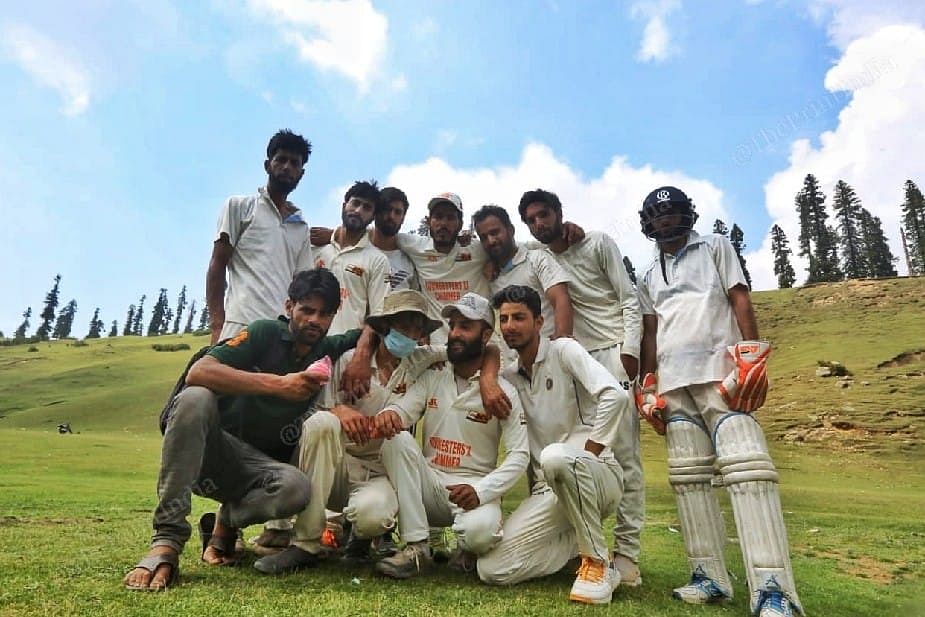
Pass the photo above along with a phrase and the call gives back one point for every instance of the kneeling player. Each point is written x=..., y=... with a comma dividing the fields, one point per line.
x=695, y=302
x=456, y=480
x=575, y=482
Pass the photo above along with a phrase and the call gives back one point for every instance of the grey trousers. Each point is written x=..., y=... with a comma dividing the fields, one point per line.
x=197, y=456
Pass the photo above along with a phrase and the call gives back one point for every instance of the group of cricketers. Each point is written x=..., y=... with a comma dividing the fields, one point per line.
x=404, y=364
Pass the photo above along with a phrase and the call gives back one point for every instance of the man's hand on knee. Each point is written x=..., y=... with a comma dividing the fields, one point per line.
x=464, y=496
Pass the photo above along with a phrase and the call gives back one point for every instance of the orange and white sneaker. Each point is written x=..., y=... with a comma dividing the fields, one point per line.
x=594, y=584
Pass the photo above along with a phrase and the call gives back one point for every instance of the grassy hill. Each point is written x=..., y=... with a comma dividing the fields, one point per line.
x=75, y=510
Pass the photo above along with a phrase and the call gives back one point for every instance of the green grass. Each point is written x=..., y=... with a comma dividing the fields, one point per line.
x=75, y=510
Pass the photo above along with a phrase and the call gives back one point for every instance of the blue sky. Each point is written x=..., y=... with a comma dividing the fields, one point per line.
x=128, y=123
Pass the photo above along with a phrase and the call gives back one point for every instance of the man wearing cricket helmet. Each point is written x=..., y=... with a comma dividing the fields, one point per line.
x=704, y=373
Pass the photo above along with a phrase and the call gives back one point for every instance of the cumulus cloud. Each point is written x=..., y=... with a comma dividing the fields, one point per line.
x=656, y=44
x=345, y=36
x=50, y=65
x=875, y=147
x=848, y=20
x=609, y=202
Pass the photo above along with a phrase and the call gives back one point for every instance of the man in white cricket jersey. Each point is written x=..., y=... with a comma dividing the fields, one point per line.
x=361, y=268
x=517, y=265
x=575, y=410
x=607, y=324
x=705, y=372
x=456, y=480
x=389, y=219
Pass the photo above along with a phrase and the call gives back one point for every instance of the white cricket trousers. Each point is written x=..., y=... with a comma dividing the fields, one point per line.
x=341, y=482
x=557, y=522
x=423, y=500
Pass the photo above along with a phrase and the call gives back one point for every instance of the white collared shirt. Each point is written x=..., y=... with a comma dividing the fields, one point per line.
x=603, y=298
x=564, y=374
x=539, y=271
x=445, y=278
x=460, y=438
x=363, y=273
x=268, y=251
x=695, y=319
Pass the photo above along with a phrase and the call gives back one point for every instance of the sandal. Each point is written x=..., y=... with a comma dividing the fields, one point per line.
x=151, y=564
x=224, y=546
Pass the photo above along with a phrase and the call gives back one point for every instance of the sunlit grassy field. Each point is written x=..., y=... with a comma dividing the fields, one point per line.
x=75, y=510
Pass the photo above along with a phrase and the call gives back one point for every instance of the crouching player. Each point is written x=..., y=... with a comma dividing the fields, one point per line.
x=575, y=482
x=456, y=480
x=700, y=335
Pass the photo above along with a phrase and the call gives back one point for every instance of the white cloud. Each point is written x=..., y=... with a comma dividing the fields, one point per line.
x=608, y=203
x=657, y=44
x=847, y=20
x=50, y=65
x=345, y=36
x=876, y=146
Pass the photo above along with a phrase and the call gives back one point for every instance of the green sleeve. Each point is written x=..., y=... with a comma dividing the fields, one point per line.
x=336, y=345
x=243, y=351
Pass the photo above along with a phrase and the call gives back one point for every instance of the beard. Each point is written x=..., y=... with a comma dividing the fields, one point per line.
x=549, y=234
x=283, y=184
x=387, y=229
x=353, y=222
x=308, y=335
x=458, y=350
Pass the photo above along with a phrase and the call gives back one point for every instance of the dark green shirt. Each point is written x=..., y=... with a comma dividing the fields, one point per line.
x=271, y=424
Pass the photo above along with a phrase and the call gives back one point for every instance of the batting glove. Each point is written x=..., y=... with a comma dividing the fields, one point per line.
x=746, y=387
x=649, y=403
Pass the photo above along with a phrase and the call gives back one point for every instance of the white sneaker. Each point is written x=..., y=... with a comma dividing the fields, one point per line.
x=594, y=584
x=701, y=590
x=627, y=572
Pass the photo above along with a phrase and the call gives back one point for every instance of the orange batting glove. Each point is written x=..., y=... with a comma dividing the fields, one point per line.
x=649, y=403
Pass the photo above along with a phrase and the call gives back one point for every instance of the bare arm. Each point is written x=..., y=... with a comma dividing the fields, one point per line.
x=494, y=400
x=209, y=373
x=320, y=236
x=561, y=302
x=356, y=376
x=741, y=302
x=647, y=349
x=215, y=284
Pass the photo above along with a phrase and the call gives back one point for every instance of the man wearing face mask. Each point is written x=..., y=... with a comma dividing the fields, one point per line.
x=339, y=448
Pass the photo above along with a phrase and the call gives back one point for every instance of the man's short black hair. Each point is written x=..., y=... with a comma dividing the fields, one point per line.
x=316, y=282
x=492, y=210
x=519, y=294
x=539, y=195
x=390, y=194
x=364, y=189
x=287, y=140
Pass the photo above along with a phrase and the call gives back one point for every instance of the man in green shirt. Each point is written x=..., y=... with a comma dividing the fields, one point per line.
x=231, y=432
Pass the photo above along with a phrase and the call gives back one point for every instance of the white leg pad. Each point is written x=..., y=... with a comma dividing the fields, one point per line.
x=751, y=479
x=690, y=470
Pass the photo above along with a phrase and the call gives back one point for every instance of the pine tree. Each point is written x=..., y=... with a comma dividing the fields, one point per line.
x=115, y=329
x=48, y=313
x=20, y=333
x=424, y=228
x=847, y=208
x=181, y=304
x=818, y=241
x=158, y=313
x=913, y=224
x=96, y=325
x=189, y=318
x=129, y=321
x=877, y=257
x=139, y=316
x=719, y=227
x=629, y=268
x=204, y=318
x=786, y=277
x=737, y=237
x=165, y=322
x=65, y=321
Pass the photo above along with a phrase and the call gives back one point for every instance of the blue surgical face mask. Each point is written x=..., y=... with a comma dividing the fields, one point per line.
x=398, y=344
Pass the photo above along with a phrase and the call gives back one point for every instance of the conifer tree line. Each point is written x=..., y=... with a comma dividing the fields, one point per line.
x=852, y=244
x=55, y=323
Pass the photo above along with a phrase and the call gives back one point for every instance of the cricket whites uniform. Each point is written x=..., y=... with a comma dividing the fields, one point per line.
x=572, y=491
x=608, y=323
x=539, y=271
x=363, y=273
x=347, y=476
x=445, y=278
x=402, y=274
x=461, y=442
x=268, y=251
x=695, y=325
